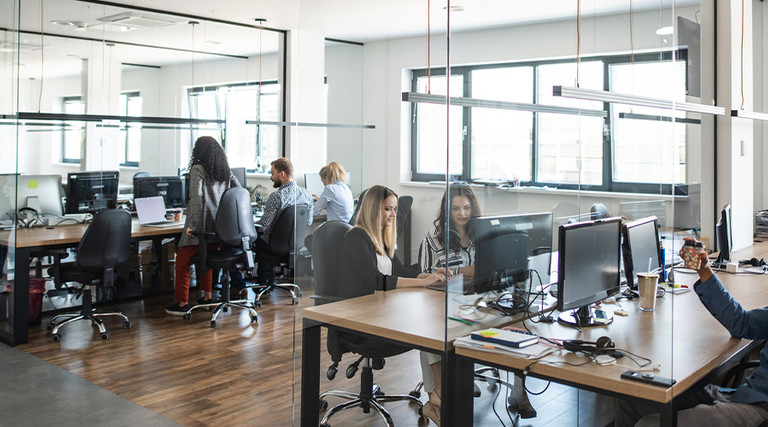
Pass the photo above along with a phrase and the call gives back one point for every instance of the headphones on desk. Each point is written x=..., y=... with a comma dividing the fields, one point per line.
x=754, y=262
x=603, y=345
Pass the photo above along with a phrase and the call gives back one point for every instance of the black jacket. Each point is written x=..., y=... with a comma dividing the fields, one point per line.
x=359, y=274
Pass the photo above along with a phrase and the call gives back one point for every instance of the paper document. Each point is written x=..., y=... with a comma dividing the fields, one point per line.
x=531, y=352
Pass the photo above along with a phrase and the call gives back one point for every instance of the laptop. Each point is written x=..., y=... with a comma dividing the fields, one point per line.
x=151, y=212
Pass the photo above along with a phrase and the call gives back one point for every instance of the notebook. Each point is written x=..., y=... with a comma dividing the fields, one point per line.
x=509, y=338
x=151, y=212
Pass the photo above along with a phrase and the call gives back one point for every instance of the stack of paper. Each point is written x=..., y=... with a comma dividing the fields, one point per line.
x=530, y=352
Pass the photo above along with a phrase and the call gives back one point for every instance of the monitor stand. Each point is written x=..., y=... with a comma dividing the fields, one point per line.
x=585, y=317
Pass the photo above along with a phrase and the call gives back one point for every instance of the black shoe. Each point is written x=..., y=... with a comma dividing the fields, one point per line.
x=211, y=300
x=176, y=310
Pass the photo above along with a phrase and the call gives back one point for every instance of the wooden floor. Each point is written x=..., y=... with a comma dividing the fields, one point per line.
x=240, y=373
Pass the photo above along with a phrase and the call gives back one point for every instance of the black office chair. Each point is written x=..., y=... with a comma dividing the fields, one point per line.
x=353, y=219
x=234, y=230
x=102, y=249
x=325, y=252
x=291, y=227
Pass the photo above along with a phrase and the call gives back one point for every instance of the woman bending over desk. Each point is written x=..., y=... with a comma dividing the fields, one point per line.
x=209, y=178
x=336, y=197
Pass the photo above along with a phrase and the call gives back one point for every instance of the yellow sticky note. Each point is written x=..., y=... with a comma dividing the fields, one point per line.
x=487, y=333
x=32, y=183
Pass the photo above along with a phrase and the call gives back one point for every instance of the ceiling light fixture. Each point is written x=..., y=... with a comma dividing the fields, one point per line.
x=622, y=98
x=421, y=98
x=665, y=31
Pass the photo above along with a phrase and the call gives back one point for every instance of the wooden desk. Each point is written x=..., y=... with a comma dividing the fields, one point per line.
x=681, y=336
x=414, y=317
x=25, y=241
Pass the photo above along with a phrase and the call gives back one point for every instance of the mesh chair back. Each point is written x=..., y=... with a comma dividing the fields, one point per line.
x=326, y=241
x=106, y=241
x=234, y=218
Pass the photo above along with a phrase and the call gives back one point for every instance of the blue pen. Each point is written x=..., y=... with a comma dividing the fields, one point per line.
x=663, y=270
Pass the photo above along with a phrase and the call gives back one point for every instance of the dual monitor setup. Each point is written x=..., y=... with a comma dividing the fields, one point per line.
x=508, y=249
x=86, y=192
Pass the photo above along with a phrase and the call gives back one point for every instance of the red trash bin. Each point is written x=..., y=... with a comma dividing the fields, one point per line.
x=36, y=292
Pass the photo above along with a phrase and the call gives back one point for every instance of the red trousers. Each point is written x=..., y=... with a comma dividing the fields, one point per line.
x=204, y=281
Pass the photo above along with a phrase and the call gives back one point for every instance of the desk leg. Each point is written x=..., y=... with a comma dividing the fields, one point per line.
x=20, y=309
x=668, y=415
x=458, y=377
x=310, y=374
x=157, y=273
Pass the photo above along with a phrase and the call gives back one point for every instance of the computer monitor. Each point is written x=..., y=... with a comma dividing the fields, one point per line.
x=239, y=173
x=588, y=269
x=39, y=192
x=507, y=248
x=91, y=192
x=640, y=243
x=724, y=237
x=171, y=188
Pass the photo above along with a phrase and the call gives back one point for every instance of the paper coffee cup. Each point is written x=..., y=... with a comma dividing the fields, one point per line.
x=646, y=284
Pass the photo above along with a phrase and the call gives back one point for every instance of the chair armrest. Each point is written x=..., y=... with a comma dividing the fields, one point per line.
x=199, y=234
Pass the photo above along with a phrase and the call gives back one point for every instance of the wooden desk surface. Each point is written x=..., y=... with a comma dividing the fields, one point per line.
x=680, y=335
x=71, y=234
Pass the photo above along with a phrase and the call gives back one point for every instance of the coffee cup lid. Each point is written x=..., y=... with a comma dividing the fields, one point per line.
x=647, y=274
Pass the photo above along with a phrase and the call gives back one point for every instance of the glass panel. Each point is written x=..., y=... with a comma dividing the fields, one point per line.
x=432, y=132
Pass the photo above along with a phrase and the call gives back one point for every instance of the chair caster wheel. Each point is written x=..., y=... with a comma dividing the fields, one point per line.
x=257, y=303
x=379, y=392
x=295, y=301
x=187, y=316
x=325, y=425
x=323, y=405
x=254, y=319
x=415, y=394
x=127, y=324
x=56, y=337
x=105, y=335
x=213, y=323
x=301, y=294
x=49, y=326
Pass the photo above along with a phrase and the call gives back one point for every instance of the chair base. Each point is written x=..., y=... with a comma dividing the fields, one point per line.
x=366, y=403
x=218, y=307
x=94, y=317
x=292, y=288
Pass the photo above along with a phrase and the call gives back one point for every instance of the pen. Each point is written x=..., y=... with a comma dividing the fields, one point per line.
x=464, y=321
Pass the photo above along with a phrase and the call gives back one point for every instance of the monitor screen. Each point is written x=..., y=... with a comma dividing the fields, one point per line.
x=724, y=237
x=639, y=245
x=239, y=173
x=39, y=192
x=588, y=268
x=508, y=247
x=91, y=192
x=171, y=188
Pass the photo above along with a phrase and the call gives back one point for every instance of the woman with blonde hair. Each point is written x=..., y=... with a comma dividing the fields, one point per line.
x=369, y=248
x=336, y=197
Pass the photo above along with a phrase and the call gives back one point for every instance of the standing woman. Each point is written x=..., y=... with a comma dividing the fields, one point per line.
x=368, y=250
x=336, y=197
x=209, y=178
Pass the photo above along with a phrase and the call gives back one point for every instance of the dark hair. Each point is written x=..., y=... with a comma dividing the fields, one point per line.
x=283, y=165
x=454, y=191
x=209, y=154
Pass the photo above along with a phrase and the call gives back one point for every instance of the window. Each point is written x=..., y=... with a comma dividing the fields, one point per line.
x=73, y=133
x=557, y=150
x=237, y=103
x=130, y=140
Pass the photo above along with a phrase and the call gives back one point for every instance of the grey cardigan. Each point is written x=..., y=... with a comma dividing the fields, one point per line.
x=204, y=196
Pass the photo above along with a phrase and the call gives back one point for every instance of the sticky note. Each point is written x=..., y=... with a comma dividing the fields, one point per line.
x=32, y=183
x=487, y=333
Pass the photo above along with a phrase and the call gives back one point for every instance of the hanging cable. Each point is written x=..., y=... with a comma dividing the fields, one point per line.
x=742, y=54
x=429, y=53
x=578, y=39
x=42, y=54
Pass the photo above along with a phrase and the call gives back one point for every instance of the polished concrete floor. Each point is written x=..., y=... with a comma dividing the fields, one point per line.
x=37, y=393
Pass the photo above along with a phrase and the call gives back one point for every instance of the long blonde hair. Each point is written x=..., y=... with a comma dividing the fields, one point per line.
x=333, y=172
x=369, y=219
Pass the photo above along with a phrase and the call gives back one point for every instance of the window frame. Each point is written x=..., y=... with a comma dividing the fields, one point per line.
x=64, y=130
x=125, y=128
x=608, y=185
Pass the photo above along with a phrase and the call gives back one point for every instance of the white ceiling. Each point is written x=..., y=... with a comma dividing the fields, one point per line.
x=353, y=20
